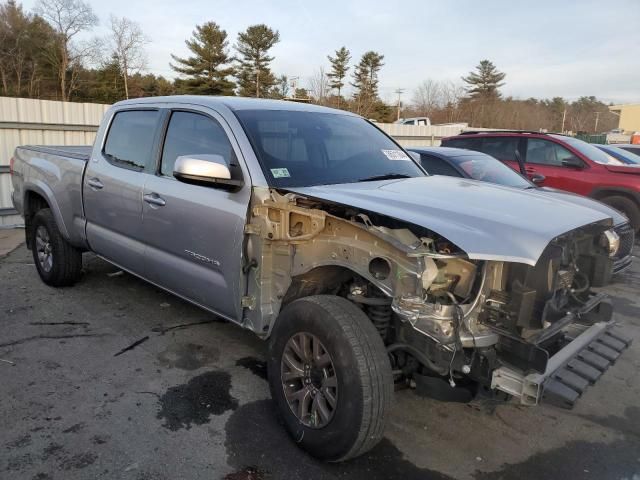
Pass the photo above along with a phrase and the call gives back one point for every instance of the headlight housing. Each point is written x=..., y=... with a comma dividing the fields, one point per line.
x=611, y=241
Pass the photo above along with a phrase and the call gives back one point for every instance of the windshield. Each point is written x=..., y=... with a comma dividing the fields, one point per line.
x=589, y=151
x=622, y=155
x=299, y=149
x=488, y=169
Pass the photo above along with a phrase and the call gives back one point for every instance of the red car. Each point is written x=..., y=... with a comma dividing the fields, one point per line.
x=562, y=162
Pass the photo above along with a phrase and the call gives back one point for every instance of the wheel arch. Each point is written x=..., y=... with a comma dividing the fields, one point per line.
x=34, y=201
x=601, y=193
x=329, y=279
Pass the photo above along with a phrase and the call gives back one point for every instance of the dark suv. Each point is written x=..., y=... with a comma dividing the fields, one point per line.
x=561, y=162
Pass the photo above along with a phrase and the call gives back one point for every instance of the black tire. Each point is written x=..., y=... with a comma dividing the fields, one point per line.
x=64, y=266
x=627, y=207
x=361, y=365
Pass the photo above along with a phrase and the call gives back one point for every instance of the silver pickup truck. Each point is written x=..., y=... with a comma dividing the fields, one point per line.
x=315, y=230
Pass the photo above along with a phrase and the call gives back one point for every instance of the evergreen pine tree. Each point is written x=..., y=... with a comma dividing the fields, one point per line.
x=339, y=68
x=254, y=75
x=365, y=81
x=208, y=68
x=485, y=81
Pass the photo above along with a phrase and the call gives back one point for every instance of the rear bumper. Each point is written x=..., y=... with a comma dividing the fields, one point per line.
x=569, y=372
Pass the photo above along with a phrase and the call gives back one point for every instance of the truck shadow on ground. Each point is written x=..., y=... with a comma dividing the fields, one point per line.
x=258, y=444
x=255, y=440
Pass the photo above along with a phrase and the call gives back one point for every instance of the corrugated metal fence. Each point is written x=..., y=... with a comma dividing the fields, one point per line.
x=25, y=121
x=419, y=135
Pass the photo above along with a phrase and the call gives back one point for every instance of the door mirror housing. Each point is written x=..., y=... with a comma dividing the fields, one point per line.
x=205, y=170
x=537, y=178
x=572, y=162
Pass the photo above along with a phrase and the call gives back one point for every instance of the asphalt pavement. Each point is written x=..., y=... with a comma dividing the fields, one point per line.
x=116, y=379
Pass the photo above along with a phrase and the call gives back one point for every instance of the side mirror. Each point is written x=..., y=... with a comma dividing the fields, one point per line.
x=538, y=178
x=572, y=162
x=205, y=170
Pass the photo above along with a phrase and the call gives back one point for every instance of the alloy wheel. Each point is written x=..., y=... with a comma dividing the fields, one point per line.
x=309, y=380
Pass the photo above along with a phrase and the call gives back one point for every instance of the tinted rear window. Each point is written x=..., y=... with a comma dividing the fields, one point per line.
x=463, y=142
x=484, y=168
x=634, y=150
x=621, y=154
x=130, y=139
x=437, y=166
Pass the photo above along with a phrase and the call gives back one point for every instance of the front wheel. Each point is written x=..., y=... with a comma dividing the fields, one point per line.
x=330, y=377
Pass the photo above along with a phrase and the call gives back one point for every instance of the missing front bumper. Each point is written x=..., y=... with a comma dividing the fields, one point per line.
x=569, y=372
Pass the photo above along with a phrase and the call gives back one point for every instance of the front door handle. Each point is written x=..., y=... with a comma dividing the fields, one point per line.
x=95, y=183
x=154, y=199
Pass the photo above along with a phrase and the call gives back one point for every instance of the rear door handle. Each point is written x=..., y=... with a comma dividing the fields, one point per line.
x=95, y=183
x=154, y=199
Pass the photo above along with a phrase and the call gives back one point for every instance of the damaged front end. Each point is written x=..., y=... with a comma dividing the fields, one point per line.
x=532, y=331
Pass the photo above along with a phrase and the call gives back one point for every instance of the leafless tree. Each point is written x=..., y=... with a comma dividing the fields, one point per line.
x=427, y=97
x=319, y=86
x=127, y=41
x=452, y=95
x=68, y=18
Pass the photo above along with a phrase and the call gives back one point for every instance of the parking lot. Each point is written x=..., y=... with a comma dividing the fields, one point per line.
x=114, y=378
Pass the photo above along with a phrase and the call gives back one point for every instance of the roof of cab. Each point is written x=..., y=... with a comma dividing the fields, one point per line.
x=235, y=103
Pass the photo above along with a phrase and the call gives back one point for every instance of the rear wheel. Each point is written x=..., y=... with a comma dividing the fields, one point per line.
x=58, y=263
x=627, y=207
x=330, y=377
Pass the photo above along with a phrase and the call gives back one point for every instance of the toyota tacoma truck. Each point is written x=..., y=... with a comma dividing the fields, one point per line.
x=315, y=230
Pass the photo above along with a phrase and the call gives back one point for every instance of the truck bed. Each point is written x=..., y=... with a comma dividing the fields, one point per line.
x=79, y=152
x=54, y=173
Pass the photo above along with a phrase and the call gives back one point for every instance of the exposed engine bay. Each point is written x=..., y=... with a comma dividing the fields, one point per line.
x=442, y=315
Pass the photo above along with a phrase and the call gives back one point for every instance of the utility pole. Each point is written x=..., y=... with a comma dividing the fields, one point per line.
x=399, y=92
x=596, y=126
x=564, y=117
x=293, y=81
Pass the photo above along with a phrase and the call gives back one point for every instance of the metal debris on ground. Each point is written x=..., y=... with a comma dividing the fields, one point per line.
x=132, y=346
x=59, y=323
x=163, y=330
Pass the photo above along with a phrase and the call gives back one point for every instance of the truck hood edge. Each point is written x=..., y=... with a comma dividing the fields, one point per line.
x=487, y=221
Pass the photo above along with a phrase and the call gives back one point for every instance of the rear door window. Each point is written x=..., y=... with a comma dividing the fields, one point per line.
x=502, y=148
x=130, y=140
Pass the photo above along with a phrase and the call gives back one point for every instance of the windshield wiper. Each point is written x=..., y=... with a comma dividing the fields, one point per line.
x=386, y=176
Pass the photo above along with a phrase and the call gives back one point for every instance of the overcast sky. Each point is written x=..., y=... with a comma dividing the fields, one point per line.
x=546, y=48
